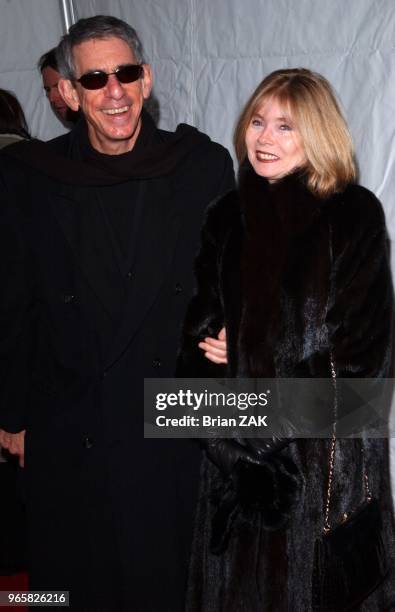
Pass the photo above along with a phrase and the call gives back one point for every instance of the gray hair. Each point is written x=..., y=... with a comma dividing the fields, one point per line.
x=100, y=26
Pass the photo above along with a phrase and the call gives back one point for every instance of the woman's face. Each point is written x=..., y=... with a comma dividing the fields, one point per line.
x=273, y=143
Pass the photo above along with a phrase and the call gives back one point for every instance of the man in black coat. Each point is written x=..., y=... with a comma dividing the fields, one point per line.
x=98, y=233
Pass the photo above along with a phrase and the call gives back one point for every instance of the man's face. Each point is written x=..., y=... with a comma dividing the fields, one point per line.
x=50, y=81
x=113, y=113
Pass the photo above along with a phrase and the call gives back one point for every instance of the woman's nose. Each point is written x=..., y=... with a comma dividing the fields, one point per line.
x=265, y=135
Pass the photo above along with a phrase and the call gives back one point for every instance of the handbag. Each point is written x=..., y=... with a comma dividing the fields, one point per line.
x=350, y=559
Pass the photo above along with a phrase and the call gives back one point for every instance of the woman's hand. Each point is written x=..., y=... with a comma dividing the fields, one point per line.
x=215, y=348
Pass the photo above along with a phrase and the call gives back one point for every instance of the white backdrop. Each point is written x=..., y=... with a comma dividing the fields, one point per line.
x=208, y=56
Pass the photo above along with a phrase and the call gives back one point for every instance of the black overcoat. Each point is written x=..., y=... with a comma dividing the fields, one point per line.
x=293, y=278
x=110, y=513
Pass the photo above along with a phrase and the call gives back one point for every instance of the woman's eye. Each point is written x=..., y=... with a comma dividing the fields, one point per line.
x=256, y=122
x=285, y=127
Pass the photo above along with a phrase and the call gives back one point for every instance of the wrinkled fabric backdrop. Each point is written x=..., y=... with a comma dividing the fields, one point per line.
x=208, y=56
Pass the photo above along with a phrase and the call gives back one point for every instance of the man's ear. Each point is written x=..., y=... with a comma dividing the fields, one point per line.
x=69, y=94
x=147, y=80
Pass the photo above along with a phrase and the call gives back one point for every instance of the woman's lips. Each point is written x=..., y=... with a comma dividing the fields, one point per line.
x=264, y=156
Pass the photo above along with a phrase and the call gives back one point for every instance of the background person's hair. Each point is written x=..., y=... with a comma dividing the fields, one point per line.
x=309, y=102
x=100, y=26
x=48, y=59
x=12, y=117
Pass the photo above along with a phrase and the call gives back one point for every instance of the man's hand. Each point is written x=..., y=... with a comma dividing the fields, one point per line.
x=14, y=443
x=215, y=349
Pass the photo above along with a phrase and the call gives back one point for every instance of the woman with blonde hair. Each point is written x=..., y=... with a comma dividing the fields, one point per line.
x=294, y=267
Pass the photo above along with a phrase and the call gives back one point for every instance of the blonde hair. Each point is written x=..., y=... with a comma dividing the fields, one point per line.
x=312, y=106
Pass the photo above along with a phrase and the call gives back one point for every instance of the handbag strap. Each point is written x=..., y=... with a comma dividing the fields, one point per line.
x=327, y=525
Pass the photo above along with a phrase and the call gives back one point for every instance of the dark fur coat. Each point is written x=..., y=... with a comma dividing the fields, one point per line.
x=293, y=278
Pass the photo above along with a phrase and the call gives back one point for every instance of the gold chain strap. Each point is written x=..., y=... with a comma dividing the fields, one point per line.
x=368, y=493
x=332, y=449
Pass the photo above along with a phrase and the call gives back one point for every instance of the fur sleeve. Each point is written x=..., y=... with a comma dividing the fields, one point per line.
x=361, y=303
x=205, y=316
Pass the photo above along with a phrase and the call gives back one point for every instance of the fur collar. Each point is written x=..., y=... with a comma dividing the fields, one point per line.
x=279, y=218
x=288, y=200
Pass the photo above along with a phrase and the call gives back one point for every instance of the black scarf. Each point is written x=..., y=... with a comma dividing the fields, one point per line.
x=70, y=159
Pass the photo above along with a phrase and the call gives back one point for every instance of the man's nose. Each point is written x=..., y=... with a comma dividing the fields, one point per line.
x=113, y=87
x=54, y=95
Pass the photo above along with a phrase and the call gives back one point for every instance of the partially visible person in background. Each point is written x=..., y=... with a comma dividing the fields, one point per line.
x=50, y=75
x=13, y=126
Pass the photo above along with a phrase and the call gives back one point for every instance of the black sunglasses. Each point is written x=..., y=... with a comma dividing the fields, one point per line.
x=98, y=79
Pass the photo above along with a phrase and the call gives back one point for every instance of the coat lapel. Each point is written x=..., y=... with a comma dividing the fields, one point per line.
x=157, y=227
x=81, y=219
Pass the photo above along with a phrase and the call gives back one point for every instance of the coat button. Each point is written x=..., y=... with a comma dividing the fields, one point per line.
x=68, y=298
x=88, y=442
x=178, y=288
x=156, y=363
